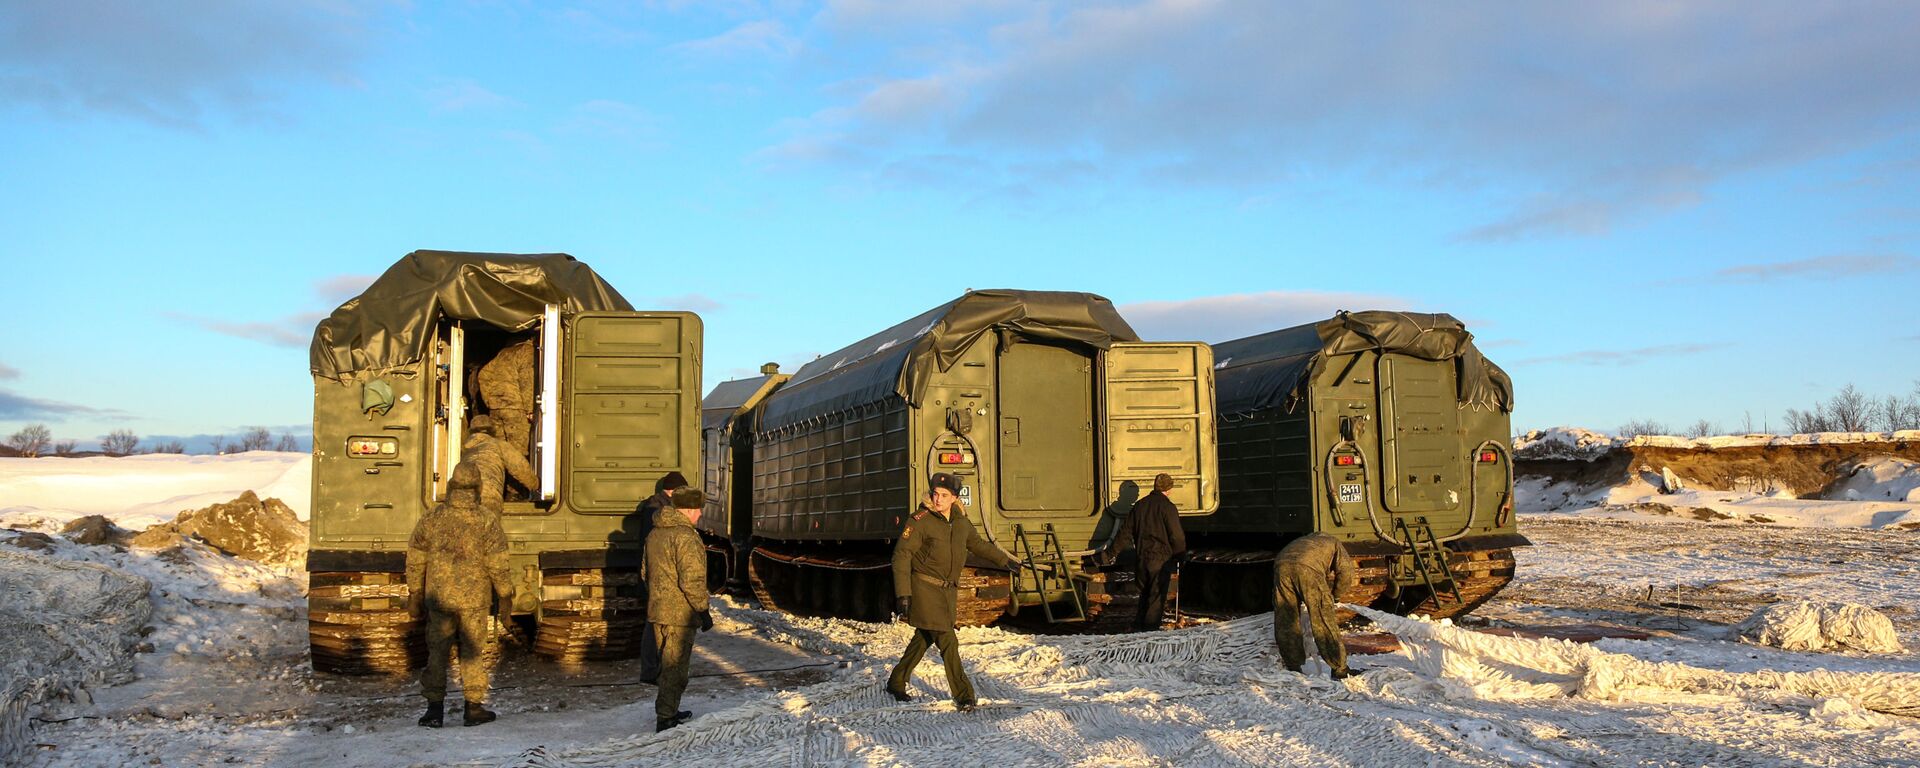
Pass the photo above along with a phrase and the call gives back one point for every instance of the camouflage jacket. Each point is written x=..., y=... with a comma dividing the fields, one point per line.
x=675, y=571
x=506, y=381
x=495, y=462
x=929, y=559
x=457, y=558
x=1322, y=554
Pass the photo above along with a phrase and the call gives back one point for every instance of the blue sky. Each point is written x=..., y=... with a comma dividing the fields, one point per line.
x=1643, y=210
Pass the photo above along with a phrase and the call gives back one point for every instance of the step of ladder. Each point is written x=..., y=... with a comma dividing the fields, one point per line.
x=1047, y=553
x=1429, y=558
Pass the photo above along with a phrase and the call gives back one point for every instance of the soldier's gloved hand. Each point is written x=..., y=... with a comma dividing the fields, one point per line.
x=706, y=621
x=901, y=605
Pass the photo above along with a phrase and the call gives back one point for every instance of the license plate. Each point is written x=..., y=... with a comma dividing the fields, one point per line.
x=1349, y=493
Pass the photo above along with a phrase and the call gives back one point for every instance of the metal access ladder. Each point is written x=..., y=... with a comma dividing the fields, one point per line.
x=1429, y=559
x=1046, y=554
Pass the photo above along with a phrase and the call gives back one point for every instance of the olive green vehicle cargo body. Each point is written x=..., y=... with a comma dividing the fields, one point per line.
x=1045, y=406
x=1387, y=430
x=393, y=391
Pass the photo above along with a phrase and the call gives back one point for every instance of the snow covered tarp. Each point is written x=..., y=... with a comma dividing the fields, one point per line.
x=391, y=324
x=63, y=626
x=901, y=361
x=1273, y=367
x=1808, y=625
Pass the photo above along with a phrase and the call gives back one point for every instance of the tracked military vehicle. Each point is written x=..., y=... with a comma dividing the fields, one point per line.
x=1387, y=430
x=1045, y=405
x=394, y=374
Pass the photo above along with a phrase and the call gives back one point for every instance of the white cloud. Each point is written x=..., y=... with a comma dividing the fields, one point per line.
x=763, y=37
x=462, y=95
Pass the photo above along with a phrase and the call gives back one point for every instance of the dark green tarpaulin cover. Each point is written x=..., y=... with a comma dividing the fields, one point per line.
x=901, y=360
x=391, y=323
x=1274, y=367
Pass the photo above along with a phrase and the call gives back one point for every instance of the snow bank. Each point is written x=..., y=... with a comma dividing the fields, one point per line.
x=67, y=625
x=1474, y=665
x=1879, y=478
x=139, y=491
x=1562, y=443
x=1806, y=625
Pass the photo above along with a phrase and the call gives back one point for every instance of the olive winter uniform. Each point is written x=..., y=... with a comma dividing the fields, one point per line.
x=1301, y=576
x=645, y=514
x=927, y=564
x=456, y=568
x=496, y=463
x=676, y=574
x=506, y=386
x=1153, y=530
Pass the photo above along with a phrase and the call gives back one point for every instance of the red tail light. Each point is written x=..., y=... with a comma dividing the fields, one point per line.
x=954, y=458
x=1489, y=457
x=1346, y=461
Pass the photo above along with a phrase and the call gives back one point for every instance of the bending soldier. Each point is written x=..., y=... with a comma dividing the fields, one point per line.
x=506, y=386
x=676, y=574
x=495, y=462
x=1153, y=530
x=1301, y=576
x=927, y=564
x=456, y=565
x=648, y=511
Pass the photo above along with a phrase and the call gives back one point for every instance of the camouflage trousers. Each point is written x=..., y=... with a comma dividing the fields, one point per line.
x=467, y=630
x=514, y=430
x=1296, y=586
x=676, y=655
x=949, y=645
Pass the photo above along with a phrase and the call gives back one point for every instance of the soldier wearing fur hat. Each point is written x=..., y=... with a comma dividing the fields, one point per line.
x=456, y=566
x=645, y=515
x=676, y=574
x=927, y=563
x=1153, y=531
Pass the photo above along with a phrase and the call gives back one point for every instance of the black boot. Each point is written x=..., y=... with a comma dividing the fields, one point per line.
x=436, y=715
x=477, y=714
x=1342, y=674
x=663, y=723
x=898, y=695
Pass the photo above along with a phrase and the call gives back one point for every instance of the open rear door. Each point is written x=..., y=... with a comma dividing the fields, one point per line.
x=1159, y=410
x=549, y=437
x=632, y=385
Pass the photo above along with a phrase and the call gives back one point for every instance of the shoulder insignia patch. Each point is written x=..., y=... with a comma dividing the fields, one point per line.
x=907, y=532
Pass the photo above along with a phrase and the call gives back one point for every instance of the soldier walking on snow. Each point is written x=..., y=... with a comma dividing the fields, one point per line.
x=456, y=566
x=927, y=564
x=676, y=575
x=1153, y=530
x=1301, y=575
x=506, y=386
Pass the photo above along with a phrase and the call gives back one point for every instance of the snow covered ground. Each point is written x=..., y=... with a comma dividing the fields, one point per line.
x=227, y=683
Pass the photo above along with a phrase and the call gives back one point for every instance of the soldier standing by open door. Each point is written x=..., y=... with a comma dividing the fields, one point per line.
x=457, y=565
x=1153, y=531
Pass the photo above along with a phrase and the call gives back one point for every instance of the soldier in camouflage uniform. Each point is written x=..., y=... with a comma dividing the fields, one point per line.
x=676, y=574
x=927, y=564
x=1301, y=575
x=495, y=462
x=506, y=386
x=456, y=566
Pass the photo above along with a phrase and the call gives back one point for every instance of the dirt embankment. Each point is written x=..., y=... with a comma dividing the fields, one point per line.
x=1797, y=470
